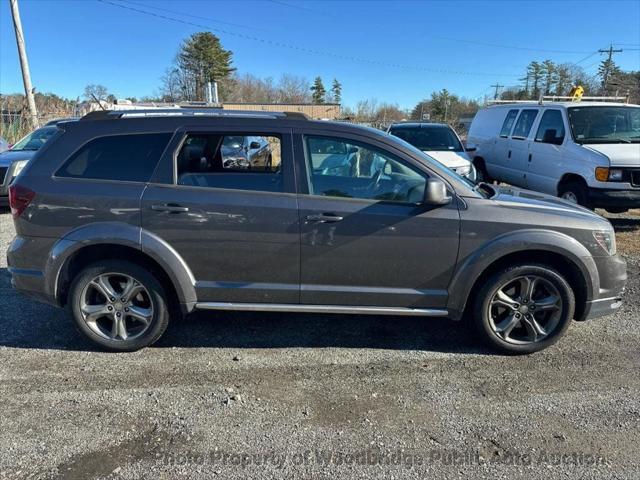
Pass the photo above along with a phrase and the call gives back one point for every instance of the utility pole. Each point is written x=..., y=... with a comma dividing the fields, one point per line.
x=496, y=86
x=24, y=64
x=607, y=72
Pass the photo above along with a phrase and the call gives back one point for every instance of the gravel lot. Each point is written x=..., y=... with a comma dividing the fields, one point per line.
x=305, y=396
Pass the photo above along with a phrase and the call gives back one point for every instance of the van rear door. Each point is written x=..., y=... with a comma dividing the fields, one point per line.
x=519, y=153
x=497, y=164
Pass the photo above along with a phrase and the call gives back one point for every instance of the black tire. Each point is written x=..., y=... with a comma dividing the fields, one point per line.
x=153, y=295
x=481, y=172
x=617, y=210
x=482, y=308
x=575, y=191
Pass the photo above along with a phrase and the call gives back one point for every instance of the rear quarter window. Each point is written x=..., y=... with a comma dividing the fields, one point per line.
x=117, y=157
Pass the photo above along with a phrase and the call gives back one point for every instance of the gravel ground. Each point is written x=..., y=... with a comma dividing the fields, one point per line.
x=304, y=396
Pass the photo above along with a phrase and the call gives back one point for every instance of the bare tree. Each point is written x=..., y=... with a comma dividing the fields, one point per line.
x=293, y=89
x=98, y=92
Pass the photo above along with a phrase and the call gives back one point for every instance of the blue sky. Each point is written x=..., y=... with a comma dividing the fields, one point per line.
x=396, y=52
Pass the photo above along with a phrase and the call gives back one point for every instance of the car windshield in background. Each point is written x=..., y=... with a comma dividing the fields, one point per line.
x=605, y=124
x=35, y=139
x=434, y=164
x=429, y=138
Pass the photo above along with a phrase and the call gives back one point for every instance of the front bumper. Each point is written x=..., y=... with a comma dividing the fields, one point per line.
x=613, y=278
x=603, y=198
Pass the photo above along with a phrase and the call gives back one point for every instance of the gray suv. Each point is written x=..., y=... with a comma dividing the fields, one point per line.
x=132, y=218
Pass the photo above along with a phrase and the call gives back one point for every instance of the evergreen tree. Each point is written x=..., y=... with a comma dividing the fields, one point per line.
x=318, y=90
x=336, y=90
x=535, y=73
x=549, y=75
x=606, y=71
x=563, y=79
x=202, y=59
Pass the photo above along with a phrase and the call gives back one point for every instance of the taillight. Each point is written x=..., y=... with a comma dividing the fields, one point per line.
x=19, y=198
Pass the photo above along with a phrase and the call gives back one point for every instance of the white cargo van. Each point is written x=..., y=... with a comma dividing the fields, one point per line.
x=585, y=152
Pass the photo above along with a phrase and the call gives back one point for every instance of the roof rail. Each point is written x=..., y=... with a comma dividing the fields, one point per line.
x=558, y=98
x=189, y=112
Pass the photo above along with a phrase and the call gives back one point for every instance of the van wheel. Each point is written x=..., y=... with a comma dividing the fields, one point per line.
x=118, y=305
x=575, y=192
x=524, y=309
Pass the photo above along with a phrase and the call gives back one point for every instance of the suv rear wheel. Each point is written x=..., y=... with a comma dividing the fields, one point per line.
x=119, y=305
x=524, y=308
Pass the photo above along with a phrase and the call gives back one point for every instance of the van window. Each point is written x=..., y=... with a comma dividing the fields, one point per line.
x=551, y=129
x=508, y=123
x=130, y=158
x=239, y=162
x=524, y=124
x=344, y=168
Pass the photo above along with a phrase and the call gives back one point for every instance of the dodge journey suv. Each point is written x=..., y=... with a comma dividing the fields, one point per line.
x=132, y=218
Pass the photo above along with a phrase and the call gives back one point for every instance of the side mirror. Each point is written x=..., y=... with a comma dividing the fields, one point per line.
x=254, y=145
x=435, y=193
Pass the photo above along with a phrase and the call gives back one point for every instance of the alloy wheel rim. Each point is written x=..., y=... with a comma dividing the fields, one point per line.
x=116, y=306
x=525, y=310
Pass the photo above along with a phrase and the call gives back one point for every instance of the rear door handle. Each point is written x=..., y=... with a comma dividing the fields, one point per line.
x=529, y=157
x=324, y=218
x=169, y=207
x=509, y=154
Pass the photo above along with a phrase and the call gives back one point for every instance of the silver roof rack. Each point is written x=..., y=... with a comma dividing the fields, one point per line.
x=189, y=112
x=559, y=98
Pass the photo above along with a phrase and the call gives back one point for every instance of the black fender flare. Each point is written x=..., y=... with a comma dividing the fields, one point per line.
x=470, y=268
x=122, y=234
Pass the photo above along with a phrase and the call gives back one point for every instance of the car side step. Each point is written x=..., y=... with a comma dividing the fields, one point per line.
x=291, y=307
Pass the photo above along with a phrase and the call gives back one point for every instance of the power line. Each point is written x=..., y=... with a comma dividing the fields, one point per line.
x=303, y=49
x=449, y=39
x=153, y=7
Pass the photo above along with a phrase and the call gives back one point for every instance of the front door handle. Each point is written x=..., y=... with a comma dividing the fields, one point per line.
x=324, y=218
x=509, y=154
x=169, y=207
x=529, y=157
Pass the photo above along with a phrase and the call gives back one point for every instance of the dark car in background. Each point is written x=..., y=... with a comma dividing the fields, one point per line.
x=13, y=160
x=250, y=152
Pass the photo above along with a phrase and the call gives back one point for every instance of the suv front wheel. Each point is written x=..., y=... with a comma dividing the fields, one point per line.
x=524, y=308
x=119, y=305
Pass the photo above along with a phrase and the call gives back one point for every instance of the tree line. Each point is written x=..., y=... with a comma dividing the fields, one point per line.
x=550, y=78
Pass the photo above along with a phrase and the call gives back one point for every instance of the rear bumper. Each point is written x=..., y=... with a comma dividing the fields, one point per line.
x=603, y=198
x=613, y=278
x=26, y=276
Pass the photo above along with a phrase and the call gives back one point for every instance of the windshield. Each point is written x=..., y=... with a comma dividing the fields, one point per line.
x=429, y=138
x=35, y=139
x=605, y=124
x=435, y=165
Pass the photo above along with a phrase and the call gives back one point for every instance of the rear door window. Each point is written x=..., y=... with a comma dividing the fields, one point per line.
x=508, y=123
x=234, y=161
x=524, y=124
x=117, y=157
